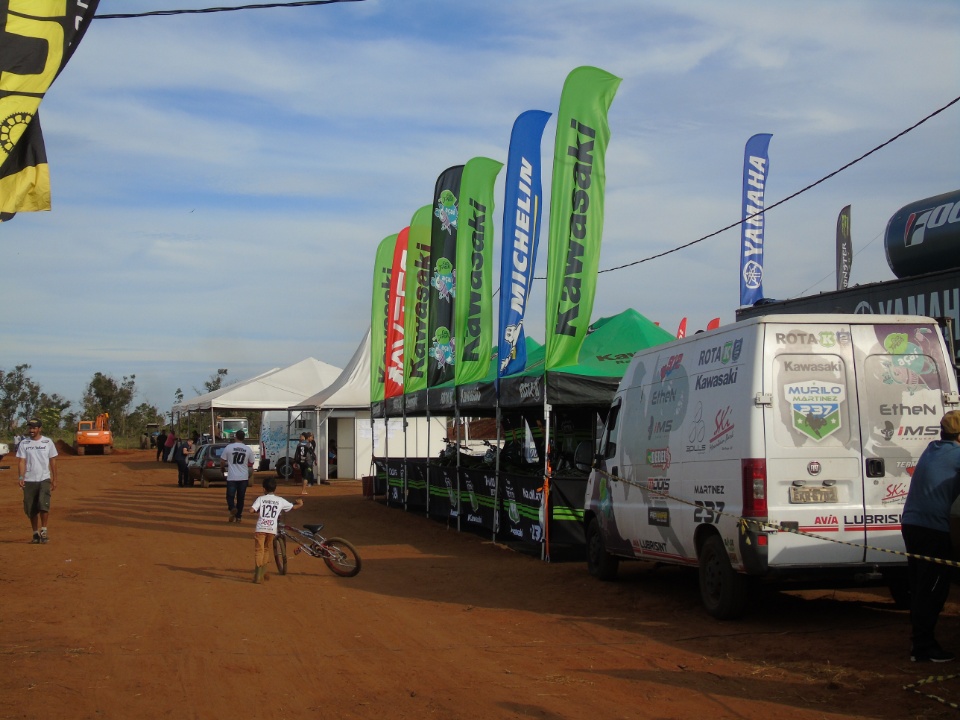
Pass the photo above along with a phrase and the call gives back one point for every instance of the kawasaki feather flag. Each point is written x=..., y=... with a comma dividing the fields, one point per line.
x=380, y=314
x=522, y=208
x=443, y=281
x=37, y=38
x=756, y=166
x=474, y=307
x=393, y=382
x=417, y=301
x=576, y=210
x=844, y=248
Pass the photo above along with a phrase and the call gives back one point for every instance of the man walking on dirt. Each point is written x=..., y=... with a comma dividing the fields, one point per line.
x=237, y=460
x=37, y=461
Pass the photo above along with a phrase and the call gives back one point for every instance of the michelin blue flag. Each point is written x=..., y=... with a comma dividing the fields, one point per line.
x=523, y=200
x=756, y=166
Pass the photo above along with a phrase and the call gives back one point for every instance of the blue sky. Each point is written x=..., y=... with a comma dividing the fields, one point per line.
x=220, y=182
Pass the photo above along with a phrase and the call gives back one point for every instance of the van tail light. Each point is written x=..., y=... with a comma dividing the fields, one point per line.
x=754, y=472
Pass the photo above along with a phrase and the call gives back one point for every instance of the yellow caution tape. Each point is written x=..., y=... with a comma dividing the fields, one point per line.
x=746, y=524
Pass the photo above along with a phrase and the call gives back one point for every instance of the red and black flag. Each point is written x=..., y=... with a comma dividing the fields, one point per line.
x=37, y=38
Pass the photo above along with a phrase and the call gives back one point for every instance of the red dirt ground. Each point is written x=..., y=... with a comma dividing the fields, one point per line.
x=141, y=606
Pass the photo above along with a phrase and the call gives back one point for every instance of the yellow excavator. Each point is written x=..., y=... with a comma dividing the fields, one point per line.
x=94, y=436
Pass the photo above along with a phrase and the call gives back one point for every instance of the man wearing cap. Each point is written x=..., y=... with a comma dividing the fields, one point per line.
x=37, y=460
x=925, y=526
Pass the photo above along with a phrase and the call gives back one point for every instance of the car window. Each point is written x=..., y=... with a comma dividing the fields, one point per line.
x=217, y=450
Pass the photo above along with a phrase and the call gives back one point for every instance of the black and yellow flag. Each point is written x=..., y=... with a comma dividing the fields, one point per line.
x=37, y=38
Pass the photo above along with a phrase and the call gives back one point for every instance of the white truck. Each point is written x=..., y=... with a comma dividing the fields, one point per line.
x=808, y=426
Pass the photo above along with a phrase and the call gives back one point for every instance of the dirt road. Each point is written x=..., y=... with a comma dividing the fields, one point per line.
x=142, y=606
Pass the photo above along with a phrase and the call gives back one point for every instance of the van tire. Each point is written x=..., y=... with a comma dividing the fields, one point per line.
x=284, y=468
x=601, y=564
x=722, y=590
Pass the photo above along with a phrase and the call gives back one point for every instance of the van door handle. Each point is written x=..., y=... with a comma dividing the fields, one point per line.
x=875, y=468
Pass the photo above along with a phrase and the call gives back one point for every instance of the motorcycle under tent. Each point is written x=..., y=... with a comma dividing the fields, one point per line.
x=344, y=424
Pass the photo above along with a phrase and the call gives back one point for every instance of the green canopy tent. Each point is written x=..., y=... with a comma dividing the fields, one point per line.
x=607, y=349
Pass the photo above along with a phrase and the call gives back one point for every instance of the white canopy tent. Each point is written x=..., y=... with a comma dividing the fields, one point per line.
x=343, y=421
x=272, y=390
x=275, y=389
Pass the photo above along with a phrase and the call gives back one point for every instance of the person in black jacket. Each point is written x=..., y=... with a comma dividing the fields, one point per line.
x=161, y=441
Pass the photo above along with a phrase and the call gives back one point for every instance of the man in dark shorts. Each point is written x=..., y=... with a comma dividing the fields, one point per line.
x=37, y=461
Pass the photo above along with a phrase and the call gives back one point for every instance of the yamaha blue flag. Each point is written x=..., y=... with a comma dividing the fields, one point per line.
x=756, y=167
x=523, y=200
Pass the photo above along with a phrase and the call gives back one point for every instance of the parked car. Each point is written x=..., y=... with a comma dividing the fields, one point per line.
x=204, y=466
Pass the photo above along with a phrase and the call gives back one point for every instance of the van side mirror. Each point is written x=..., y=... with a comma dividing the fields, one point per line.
x=583, y=456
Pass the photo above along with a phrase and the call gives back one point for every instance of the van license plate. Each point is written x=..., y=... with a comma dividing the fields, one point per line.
x=813, y=494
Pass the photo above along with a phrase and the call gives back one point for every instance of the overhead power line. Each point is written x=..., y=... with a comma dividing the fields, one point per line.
x=203, y=11
x=789, y=197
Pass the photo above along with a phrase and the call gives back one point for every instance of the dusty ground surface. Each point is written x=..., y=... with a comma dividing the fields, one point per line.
x=141, y=606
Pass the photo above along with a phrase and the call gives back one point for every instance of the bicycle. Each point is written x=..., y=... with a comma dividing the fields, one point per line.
x=339, y=555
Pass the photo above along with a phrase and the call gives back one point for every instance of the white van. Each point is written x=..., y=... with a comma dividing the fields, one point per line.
x=279, y=436
x=812, y=423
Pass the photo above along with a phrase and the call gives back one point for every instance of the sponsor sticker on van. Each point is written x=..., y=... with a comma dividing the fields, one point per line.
x=815, y=406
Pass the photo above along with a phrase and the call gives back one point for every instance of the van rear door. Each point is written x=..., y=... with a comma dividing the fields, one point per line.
x=901, y=378
x=813, y=441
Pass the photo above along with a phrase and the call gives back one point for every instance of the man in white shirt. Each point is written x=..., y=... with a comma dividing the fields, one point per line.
x=237, y=460
x=37, y=461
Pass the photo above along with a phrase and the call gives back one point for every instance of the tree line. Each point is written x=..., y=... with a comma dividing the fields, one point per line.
x=22, y=398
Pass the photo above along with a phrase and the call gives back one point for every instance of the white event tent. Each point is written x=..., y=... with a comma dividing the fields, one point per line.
x=275, y=389
x=343, y=421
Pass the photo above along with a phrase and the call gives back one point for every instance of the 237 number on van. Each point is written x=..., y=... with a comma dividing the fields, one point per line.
x=707, y=511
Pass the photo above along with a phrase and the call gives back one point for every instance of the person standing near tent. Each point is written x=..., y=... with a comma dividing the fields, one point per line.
x=168, y=447
x=237, y=460
x=183, y=453
x=161, y=442
x=303, y=459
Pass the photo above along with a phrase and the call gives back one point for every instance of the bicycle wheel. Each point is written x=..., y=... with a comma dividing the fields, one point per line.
x=341, y=557
x=280, y=553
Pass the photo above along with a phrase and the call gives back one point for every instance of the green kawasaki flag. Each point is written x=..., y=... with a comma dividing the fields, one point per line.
x=576, y=210
x=475, y=237
x=380, y=315
x=417, y=294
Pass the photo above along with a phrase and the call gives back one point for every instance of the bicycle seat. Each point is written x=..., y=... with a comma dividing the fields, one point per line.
x=314, y=528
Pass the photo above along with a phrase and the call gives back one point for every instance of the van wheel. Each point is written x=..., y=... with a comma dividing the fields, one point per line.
x=600, y=563
x=723, y=591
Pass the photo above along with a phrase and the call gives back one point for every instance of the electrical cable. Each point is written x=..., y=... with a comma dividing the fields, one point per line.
x=789, y=197
x=202, y=11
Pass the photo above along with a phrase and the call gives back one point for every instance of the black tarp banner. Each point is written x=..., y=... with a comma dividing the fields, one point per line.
x=520, y=508
x=478, y=499
x=395, y=482
x=444, y=491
